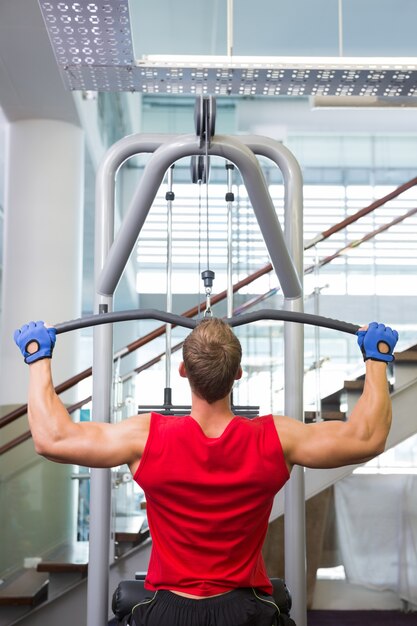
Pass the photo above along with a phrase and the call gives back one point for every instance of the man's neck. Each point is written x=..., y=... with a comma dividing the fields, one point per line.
x=213, y=418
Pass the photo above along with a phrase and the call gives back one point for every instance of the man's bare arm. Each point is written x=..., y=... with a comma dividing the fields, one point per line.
x=91, y=444
x=56, y=436
x=333, y=444
x=364, y=434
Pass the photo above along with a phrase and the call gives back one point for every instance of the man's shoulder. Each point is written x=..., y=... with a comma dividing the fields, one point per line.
x=141, y=421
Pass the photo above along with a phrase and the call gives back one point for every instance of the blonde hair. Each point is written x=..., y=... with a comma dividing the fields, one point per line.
x=212, y=355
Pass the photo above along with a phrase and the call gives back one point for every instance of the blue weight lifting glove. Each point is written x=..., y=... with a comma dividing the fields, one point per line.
x=370, y=340
x=38, y=333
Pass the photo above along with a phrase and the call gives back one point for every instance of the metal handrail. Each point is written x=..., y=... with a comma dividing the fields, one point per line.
x=27, y=435
x=358, y=242
x=361, y=213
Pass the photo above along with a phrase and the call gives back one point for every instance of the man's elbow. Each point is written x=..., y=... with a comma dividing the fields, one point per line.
x=40, y=447
x=377, y=446
x=381, y=447
x=373, y=440
x=44, y=447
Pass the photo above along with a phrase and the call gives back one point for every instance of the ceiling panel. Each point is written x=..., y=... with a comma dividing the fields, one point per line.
x=186, y=27
x=379, y=28
x=286, y=28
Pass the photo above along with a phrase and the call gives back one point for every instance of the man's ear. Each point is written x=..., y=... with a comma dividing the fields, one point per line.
x=182, y=370
x=239, y=373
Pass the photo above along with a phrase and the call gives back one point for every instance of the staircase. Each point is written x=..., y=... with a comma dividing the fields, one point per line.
x=21, y=594
x=38, y=595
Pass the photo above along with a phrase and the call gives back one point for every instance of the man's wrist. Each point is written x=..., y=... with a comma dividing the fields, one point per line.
x=40, y=366
x=372, y=365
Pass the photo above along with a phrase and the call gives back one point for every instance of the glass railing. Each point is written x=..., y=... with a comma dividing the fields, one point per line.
x=37, y=508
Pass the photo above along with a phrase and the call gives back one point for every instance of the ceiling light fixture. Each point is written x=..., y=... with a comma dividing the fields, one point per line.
x=93, y=48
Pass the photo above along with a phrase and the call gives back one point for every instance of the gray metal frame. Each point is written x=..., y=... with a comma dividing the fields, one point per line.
x=111, y=256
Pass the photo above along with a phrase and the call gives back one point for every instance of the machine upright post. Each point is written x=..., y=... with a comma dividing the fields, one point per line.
x=294, y=526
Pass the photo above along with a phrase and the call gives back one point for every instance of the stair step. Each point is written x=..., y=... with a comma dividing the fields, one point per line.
x=327, y=416
x=331, y=403
x=73, y=558
x=358, y=385
x=131, y=532
x=131, y=537
x=28, y=589
x=353, y=385
x=130, y=525
x=407, y=356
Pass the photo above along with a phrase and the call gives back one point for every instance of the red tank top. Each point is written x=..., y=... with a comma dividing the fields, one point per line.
x=208, y=502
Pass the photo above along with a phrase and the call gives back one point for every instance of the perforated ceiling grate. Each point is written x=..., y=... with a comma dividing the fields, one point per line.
x=93, y=47
x=89, y=34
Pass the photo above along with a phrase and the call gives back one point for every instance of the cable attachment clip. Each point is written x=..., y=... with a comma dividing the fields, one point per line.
x=207, y=277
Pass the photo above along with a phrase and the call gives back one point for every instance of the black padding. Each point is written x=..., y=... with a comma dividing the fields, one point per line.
x=281, y=595
x=128, y=593
x=131, y=592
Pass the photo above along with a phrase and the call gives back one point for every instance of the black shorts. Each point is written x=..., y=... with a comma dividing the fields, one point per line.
x=241, y=607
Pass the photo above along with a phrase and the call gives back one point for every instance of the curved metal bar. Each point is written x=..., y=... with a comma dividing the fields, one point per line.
x=124, y=316
x=293, y=186
x=186, y=322
x=293, y=316
x=231, y=149
x=114, y=158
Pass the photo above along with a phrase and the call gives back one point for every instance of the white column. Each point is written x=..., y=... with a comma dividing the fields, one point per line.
x=42, y=264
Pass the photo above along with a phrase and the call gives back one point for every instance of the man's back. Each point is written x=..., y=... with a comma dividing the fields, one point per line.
x=209, y=501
